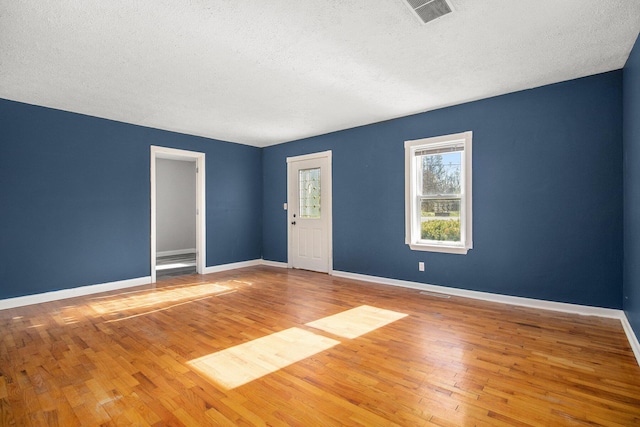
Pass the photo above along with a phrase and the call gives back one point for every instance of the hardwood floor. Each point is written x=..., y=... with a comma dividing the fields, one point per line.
x=269, y=346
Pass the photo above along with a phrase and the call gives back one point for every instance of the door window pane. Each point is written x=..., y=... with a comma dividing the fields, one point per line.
x=309, y=191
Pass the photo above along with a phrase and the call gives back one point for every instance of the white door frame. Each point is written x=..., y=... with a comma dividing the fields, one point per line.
x=326, y=192
x=201, y=235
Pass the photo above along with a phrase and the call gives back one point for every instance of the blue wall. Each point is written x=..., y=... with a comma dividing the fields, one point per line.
x=547, y=187
x=548, y=196
x=631, y=129
x=75, y=201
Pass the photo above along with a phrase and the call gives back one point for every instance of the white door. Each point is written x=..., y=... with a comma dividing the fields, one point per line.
x=309, y=212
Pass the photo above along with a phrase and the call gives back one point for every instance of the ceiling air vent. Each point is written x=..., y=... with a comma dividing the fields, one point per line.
x=428, y=10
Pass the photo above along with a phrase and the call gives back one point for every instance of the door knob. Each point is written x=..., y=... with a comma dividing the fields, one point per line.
x=293, y=223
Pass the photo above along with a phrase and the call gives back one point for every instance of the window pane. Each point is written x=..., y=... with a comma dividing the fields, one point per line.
x=440, y=220
x=441, y=173
x=309, y=190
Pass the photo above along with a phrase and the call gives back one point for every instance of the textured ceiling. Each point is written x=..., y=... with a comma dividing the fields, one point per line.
x=266, y=72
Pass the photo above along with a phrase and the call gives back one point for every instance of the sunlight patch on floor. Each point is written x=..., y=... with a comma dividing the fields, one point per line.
x=158, y=296
x=249, y=361
x=165, y=308
x=357, y=321
x=246, y=362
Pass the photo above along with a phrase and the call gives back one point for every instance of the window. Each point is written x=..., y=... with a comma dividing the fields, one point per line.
x=438, y=193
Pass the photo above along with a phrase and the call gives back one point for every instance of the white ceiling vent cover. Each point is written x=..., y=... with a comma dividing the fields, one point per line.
x=428, y=10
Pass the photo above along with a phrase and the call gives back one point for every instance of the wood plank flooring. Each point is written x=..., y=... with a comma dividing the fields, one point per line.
x=267, y=346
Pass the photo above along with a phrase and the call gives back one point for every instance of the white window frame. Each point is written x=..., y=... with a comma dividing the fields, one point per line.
x=412, y=205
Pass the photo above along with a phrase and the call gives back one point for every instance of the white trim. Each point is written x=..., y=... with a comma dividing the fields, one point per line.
x=152, y=196
x=232, y=266
x=485, y=296
x=201, y=223
x=273, y=263
x=113, y=286
x=584, y=310
x=176, y=252
x=72, y=293
x=631, y=336
x=439, y=248
x=311, y=156
x=329, y=199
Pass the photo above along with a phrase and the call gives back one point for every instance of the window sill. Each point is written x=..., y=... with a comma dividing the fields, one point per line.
x=438, y=248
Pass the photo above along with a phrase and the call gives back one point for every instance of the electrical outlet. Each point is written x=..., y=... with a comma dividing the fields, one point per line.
x=421, y=266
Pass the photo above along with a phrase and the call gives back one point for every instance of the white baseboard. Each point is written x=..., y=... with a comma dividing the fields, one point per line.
x=176, y=252
x=231, y=266
x=631, y=336
x=584, y=310
x=71, y=293
x=486, y=296
x=274, y=263
x=111, y=286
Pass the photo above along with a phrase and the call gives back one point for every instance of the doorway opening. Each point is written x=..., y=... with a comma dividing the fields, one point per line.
x=178, y=243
